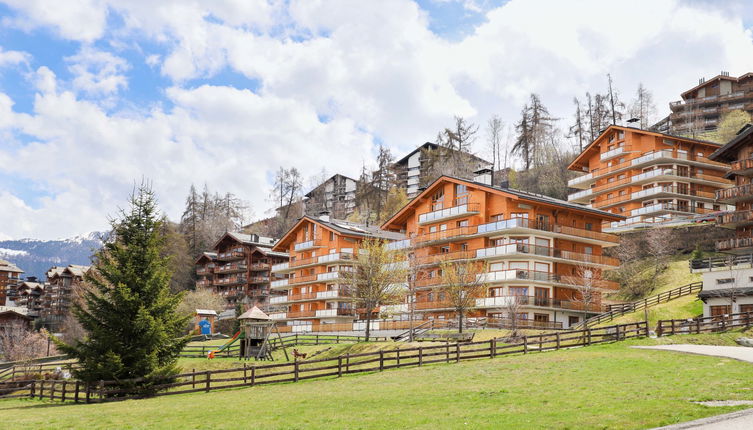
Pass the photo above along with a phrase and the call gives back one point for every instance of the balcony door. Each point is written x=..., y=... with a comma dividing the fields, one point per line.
x=542, y=246
x=683, y=206
x=541, y=296
x=541, y=271
x=542, y=222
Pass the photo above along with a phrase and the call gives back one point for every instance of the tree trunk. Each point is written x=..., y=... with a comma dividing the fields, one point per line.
x=411, y=305
x=460, y=322
x=368, y=323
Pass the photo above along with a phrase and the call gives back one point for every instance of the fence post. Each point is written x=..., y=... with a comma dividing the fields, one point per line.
x=420, y=355
x=75, y=396
x=52, y=390
x=295, y=371
x=673, y=326
x=381, y=360
x=33, y=383
x=245, y=377
x=88, y=392
x=339, y=366
x=208, y=381
x=457, y=352
x=397, y=354
x=317, y=339
x=698, y=326
x=62, y=394
x=193, y=378
x=253, y=375
x=588, y=334
x=447, y=352
x=525, y=344
x=558, y=340
x=645, y=328
x=101, y=390
x=347, y=363
x=492, y=347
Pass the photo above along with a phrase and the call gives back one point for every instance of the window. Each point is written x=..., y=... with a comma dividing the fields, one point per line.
x=331, y=236
x=725, y=281
x=444, y=250
x=620, y=135
x=610, y=196
x=541, y=317
x=588, y=250
x=622, y=176
x=437, y=200
x=461, y=194
x=717, y=207
x=464, y=247
x=518, y=291
x=497, y=217
x=432, y=229
x=462, y=223
x=443, y=227
x=623, y=192
x=520, y=215
x=621, y=209
x=746, y=308
x=720, y=310
x=496, y=292
x=571, y=320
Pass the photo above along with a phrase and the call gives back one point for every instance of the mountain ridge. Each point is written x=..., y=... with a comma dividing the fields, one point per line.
x=36, y=256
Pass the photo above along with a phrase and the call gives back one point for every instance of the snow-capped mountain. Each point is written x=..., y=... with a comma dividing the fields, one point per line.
x=36, y=256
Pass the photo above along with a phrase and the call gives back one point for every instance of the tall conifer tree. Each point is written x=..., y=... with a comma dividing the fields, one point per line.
x=129, y=313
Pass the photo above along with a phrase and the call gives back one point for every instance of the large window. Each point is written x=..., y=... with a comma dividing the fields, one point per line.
x=437, y=200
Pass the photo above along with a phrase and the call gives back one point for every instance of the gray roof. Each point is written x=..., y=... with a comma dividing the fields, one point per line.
x=726, y=292
x=7, y=266
x=356, y=229
x=538, y=197
x=727, y=152
x=433, y=146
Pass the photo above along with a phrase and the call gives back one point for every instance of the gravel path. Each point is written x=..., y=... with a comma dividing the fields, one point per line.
x=737, y=352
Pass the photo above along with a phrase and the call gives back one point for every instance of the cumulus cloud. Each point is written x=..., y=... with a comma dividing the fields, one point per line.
x=97, y=72
x=12, y=58
x=374, y=70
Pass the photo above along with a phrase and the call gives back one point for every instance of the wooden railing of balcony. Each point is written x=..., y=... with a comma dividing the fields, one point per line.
x=231, y=268
x=735, y=217
x=734, y=243
x=259, y=266
x=737, y=193
x=301, y=279
x=518, y=248
x=740, y=165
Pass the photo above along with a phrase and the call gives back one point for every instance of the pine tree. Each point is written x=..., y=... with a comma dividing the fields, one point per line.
x=129, y=313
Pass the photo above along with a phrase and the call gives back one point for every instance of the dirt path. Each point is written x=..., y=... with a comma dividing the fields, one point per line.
x=737, y=352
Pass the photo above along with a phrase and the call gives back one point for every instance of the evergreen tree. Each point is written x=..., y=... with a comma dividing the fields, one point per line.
x=129, y=313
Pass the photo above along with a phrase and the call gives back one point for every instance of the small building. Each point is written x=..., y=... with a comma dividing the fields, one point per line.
x=9, y=274
x=256, y=327
x=13, y=319
x=204, y=319
x=336, y=195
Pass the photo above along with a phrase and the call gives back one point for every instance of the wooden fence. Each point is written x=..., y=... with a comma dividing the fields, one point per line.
x=624, y=308
x=705, y=324
x=22, y=370
x=250, y=375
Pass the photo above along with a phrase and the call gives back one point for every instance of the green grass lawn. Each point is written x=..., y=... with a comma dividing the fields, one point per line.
x=607, y=386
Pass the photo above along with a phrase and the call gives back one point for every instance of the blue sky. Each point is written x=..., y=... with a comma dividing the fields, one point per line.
x=97, y=94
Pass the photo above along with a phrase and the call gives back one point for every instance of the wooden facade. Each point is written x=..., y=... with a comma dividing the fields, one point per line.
x=536, y=248
x=648, y=177
x=63, y=286
x=238, y=268
x=316, y=293
x=9, y=274
x=703, y=106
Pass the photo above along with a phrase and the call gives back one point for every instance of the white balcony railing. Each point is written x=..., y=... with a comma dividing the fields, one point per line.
x=335, y=257
x=399, y=244
x=280, y=267
x=580, y=179
x=452, y=212
x=332, y=294
x=279, y=283
x=493, y=301
x=613, y=153
x=580, y=194
x=278, y=315
x=278, y=299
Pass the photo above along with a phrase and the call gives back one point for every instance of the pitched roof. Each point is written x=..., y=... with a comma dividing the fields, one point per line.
x=433, y=146
x=254, y=314
x=343, y=227
x=206, y=312
x=728, y=152
x=247, y=239
x=592, y=145
x=525, y=195
x=7, y=266
x=327, y=180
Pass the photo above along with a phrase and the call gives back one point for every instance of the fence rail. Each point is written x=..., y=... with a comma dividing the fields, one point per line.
x=624, y=308
x=705, y=324
x=105, y=391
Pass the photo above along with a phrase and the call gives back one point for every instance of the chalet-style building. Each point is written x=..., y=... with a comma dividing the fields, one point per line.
x=64, y=285
x=28, y=295
x=648, y=177
x=540, y=251
x=9, y=274
x=703, y=106
x=238, y=268
x=728, y=280
x=13, y=319
x=412, y=168
x=336, y=195
x=320, y=250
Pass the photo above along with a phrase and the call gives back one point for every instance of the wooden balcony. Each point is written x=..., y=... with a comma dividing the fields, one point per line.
x=204, y=270
x=735, y=244
x=231, y=280
x=742, y=167
x=231, y=268
x=232, y=255
x=736, y=219
x=459, y=209
x=259, y=266
x=736, y=194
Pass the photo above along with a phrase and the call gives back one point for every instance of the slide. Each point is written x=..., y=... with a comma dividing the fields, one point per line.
x=223, y=347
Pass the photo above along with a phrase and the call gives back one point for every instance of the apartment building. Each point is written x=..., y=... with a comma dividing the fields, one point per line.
x=702, y=106
x=238, y=268
x=315, y=291
x=539, y=251
x=63, y=286
x=336, y=195
x=728, y=280
x=9, y=274
x=28, y=295
x=412, y=168
x=648, y=177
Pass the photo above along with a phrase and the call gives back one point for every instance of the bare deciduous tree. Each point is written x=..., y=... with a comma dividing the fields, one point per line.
x=462, y=284
x=642, y=106
x=378, y=277
x=512, y=307
x=19, y=343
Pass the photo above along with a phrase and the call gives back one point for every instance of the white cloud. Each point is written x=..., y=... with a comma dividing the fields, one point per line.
x=12, y=58
x=97, y=72
x=374, y=69
x=83, y=20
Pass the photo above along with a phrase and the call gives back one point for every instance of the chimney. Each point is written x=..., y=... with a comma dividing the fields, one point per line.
x=483, y=176
x=634, y=123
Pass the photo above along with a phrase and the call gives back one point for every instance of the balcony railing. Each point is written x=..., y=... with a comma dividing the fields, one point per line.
x=231, y=268
x=340, y=312
x=203, y=271
x=280, y=267
x=546, y=302
x=668, y=207
x=258, y=279
x=739, y=166
x=734, y=244
x=259, y=266
x=580, y=179
x=735, y=194
x=445, y=234
x=461, y=209
x=545, y=251
x=580, y=194
x=235, y=254
x=554, y=228
x=738, y=217
x=398, y=245
x=532, y=275
x=613, y=153
x=337, y=256
x=231, y=280
x=309, y=244
x=669, y=189
x=279, y=283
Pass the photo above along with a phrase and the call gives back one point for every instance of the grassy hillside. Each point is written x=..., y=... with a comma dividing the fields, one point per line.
x=607, y=386
x=676, y=275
